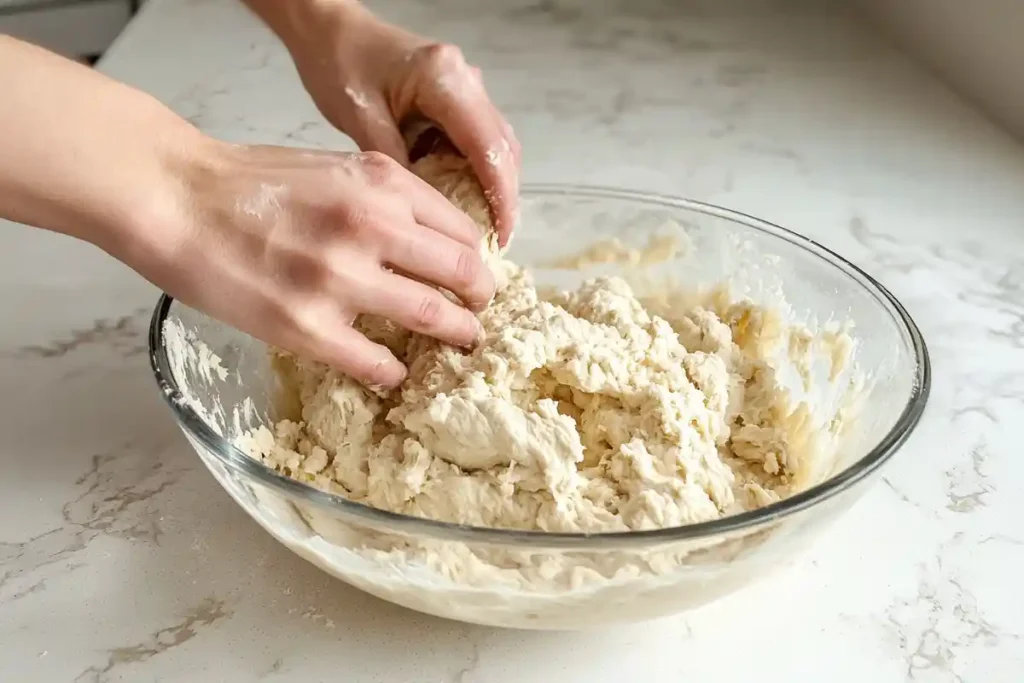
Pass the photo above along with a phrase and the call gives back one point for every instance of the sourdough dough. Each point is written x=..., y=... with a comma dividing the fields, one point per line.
x=585, y=411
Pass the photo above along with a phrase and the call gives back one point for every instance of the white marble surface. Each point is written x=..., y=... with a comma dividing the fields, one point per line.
x=121, y=560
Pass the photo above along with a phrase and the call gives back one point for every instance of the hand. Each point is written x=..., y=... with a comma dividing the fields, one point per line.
x=291, y=245
x=368, y=77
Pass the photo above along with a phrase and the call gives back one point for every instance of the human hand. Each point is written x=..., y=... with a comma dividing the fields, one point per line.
x=288, y=245
x=368, y=78
x=291, y=245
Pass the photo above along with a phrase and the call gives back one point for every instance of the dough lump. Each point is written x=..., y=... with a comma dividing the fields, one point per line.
x=585, y=411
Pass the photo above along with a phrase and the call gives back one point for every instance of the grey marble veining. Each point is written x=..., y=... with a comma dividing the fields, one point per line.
x=121, y=560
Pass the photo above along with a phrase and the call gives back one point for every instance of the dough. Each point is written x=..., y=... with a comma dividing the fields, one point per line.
x=660, y=248
x=585, y=411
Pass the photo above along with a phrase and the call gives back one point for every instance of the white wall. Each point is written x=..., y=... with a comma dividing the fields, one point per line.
x=976, y=46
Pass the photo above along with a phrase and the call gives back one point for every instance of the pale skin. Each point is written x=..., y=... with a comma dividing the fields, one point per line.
x=289, y=245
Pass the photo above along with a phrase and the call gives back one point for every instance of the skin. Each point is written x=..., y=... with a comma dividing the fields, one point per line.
x=287, y=244
x=367, y=76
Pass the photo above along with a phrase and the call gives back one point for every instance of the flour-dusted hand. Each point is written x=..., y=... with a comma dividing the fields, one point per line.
x=367, y=77
x=291, y=245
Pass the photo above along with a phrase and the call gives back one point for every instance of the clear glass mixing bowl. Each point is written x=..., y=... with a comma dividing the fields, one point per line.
x=567, y=581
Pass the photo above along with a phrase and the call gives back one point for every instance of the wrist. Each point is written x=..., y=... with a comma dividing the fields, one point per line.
x=156, y=221
x=302, y=22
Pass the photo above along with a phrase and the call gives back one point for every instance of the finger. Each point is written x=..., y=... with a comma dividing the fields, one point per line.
x=433, y=210
x=438, y=260
x=408, y=199
x=373, y=127
x=420, y=308
x=513, y=141
x=468, y=118
x=353, y=354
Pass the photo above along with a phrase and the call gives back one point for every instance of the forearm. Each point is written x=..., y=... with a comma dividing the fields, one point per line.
x=82, y=154
x=295, y=20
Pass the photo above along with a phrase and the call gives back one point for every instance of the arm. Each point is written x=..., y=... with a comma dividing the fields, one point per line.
x=82, y=154
x=293, y=19
x=288, y=245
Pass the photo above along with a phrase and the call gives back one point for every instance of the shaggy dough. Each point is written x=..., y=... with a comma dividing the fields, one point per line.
x=589, y=411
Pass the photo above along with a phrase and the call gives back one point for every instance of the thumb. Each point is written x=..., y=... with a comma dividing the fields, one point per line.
x=374, y=128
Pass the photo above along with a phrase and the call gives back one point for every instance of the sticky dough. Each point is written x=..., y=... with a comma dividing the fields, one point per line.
x=588, y=410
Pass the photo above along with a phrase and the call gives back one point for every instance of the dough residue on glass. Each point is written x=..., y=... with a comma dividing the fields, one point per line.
x=659, y=249
x=592, y=410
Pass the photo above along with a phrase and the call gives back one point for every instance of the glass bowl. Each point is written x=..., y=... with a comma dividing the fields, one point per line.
x=538, y=580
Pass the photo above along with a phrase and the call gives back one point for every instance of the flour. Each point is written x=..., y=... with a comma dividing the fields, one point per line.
x=264, y=204
x=195, y=366
x=358, y=98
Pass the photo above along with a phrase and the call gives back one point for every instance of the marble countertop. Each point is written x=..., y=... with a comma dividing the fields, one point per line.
x=122, y=560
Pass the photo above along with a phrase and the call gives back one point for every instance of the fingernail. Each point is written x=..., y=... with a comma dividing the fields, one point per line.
x=478, y=337
x=390, y=374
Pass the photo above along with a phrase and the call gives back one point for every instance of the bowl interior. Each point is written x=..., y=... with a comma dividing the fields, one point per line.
x=223, y=379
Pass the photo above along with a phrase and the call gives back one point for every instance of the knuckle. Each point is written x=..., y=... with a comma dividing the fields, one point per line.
x=339, y=174
x=444, y=55
x=428, y=312
x=467, y=268
x=380, y=169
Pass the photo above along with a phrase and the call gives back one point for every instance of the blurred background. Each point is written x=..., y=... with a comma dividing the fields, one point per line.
x=973, y=46
x=82, y=29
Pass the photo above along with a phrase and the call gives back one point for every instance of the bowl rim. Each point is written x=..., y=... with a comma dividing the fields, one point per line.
x=235, y=459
